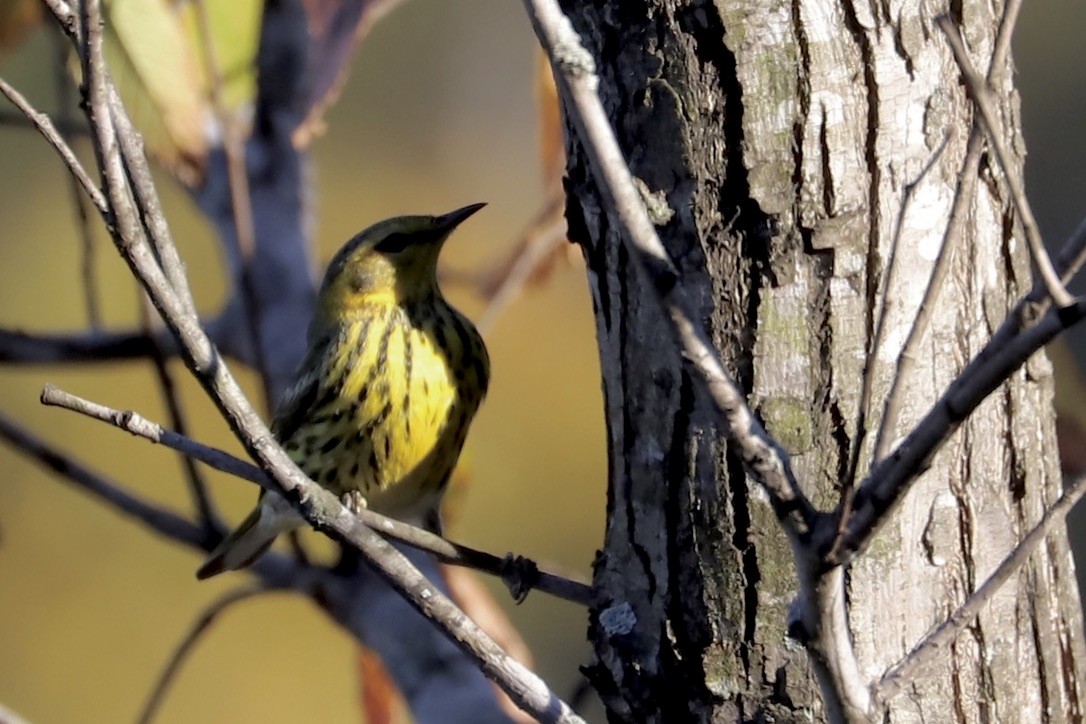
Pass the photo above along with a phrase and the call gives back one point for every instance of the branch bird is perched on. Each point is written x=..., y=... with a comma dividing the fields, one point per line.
x=392, y=378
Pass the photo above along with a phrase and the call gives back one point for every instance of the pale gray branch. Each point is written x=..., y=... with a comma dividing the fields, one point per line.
x=520, y=574
x=46, y=128
x=978, y=91
x=317, y=505
x=991, y=367
x=188, y=643
x=938, y=641
x=575, y=73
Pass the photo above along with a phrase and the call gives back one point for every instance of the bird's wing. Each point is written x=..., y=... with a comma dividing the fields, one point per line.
x=297, y=402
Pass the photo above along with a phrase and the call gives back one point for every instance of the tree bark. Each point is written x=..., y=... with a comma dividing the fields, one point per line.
x=776, y=143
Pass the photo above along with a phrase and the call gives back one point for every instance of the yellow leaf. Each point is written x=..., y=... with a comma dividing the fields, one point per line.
x=153, y=63
x=235, y=35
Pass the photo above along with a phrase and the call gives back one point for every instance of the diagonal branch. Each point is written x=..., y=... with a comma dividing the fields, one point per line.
x=188, y=644
x=575, y=72
x=159, y=519
x=318, y=506
x=890, y=479
x=905, y=671
x=952, y=235
x=978, y=91
x=519, y=573
x=93, y=346
x=46, y=128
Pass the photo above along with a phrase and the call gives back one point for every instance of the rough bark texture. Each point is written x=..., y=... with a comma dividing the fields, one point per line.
x=775, y=142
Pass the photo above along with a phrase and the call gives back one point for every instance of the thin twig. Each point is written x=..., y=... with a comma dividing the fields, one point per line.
x=881, y=315
x=317, y=505
x=274, y=569
x=506, y=567
x=540, y=241
x=63, y=83
x=240, y=199
x=160, y=519
x=49, y=131
x=195, y=479
x=989, y=369
x=69, y=128
x=131, y=155
x=574, y=71
x=65, y=347
x=978, y=91
x=905, y=671
x=188, y=644
x=952, y=238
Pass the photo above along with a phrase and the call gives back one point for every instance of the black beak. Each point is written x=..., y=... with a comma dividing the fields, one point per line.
x=451, y=220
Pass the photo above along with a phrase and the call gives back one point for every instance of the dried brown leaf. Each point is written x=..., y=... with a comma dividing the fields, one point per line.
x=381, y=700
x=475, y=600
x=17, y=19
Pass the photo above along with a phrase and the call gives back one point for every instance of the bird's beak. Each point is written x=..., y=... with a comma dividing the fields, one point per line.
x=448, y=222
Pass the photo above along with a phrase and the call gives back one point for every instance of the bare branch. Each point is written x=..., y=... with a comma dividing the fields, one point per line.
x=160, y=519
x=538, y=244
x=63, y=81
x=46, y=128
x=952, y=234
x=520, y=574
x=875, y=342
x=188, y=643
x=7, y=716
x=67, y=128
x=905, y=671
x=978, y=91
x=196, y=483
x=240, y=199
x=989, y=369
x=97, y=346
x=575, y=73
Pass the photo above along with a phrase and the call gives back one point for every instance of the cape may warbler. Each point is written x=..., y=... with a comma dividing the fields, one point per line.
x=389, y=384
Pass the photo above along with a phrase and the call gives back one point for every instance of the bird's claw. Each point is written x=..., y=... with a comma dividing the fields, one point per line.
x=520, y=576
x=354, y=501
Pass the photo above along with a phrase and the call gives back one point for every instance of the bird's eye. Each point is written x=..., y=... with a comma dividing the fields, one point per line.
x=393, y=243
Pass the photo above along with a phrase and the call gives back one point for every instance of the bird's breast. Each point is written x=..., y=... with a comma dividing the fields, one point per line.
x=410, y=385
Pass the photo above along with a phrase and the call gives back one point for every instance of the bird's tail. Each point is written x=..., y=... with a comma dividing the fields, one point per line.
x=248, y=541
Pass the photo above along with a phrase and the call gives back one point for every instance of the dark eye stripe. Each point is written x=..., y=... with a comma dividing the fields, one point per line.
x=393, y=243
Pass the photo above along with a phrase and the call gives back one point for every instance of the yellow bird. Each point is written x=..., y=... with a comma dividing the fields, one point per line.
x=382, y=401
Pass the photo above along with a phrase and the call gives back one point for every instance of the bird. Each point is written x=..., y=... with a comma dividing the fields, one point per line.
x=381, y=403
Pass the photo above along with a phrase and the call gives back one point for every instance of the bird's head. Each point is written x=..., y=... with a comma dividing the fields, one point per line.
x=392, y=262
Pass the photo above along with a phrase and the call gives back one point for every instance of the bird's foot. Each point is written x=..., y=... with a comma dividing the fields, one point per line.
x=354, y=501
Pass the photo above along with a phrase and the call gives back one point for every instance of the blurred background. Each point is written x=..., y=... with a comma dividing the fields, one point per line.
x=439, y=111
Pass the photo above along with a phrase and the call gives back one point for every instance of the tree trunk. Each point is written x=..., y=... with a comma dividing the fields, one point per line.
x=776, y=143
